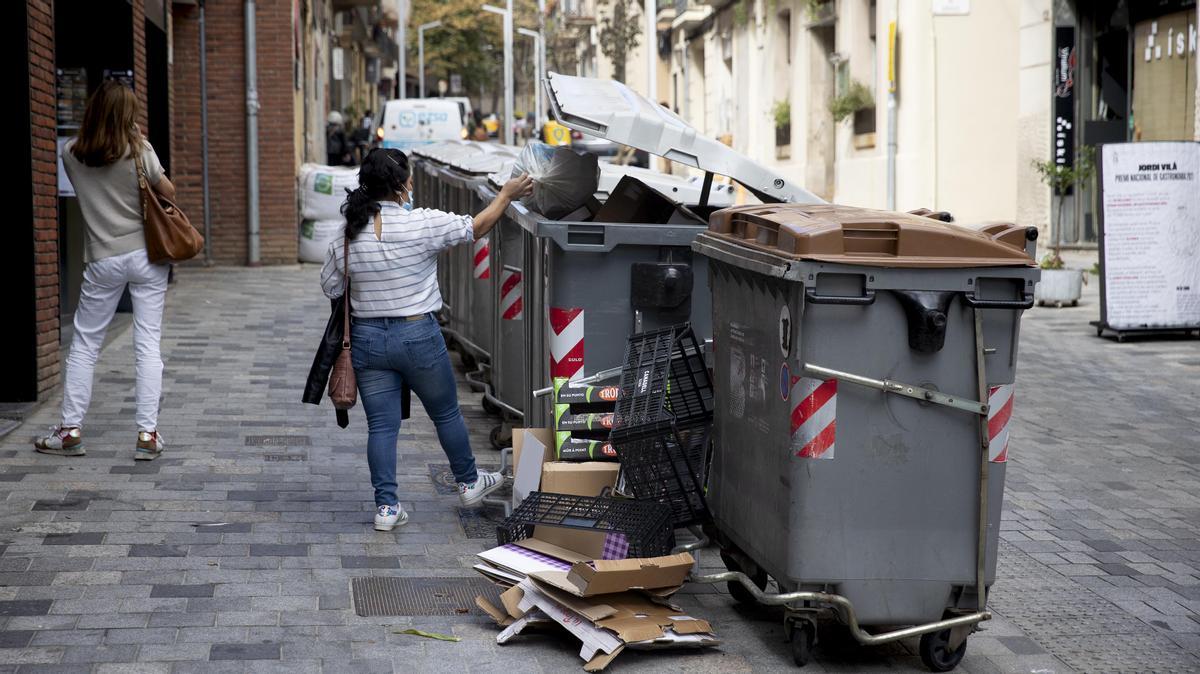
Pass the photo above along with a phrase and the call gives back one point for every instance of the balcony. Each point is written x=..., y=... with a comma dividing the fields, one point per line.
x=689, y=14
x=578, y=12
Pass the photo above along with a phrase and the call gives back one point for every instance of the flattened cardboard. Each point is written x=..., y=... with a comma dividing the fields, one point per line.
x=502, y=618
x=609, y=576
x=543, y=435
x=497, y=575
x=634, y=617
x=593, y=639
x=601, y=660
x=511, y=598
x=509, y=558
x=527, y=475
x=586, y=478
x=538, y=544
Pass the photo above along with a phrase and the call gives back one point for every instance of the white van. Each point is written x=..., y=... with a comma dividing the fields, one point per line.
x=418, y=121
x=464, y=104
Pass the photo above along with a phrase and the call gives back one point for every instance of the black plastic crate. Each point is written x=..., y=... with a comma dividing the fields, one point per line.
x=669, y=468
x=664, y=384
x=646, y=525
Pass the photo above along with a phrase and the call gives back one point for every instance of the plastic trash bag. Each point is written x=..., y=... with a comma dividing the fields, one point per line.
x=563, y=178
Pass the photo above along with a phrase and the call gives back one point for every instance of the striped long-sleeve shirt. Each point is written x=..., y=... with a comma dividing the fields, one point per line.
x=397, y=274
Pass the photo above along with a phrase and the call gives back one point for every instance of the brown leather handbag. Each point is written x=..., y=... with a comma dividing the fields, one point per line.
x=343, y=386
x=170, y=236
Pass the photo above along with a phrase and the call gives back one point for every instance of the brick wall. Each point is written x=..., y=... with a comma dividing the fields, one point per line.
x=45, y=188
x=278, y=216
x=139, y=62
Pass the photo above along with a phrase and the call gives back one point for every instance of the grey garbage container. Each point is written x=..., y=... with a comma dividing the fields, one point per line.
x=861, y=410
x=471, y=324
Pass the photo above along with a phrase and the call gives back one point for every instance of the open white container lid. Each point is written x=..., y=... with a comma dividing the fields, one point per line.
x=609, y=109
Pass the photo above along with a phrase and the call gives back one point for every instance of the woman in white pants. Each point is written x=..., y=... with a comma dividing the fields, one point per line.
x=101, y=165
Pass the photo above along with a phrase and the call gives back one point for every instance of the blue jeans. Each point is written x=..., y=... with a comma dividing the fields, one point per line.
x=387, y=353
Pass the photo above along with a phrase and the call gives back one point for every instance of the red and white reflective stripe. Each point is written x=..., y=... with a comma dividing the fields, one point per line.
x=483, y=262
x=1000, y=405
x=566, y=342
x=814, y=417
x=511, y=306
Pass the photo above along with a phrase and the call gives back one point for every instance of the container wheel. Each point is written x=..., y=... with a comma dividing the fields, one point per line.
x=803, y=637
x=489, y=406
x=936, y=653
x=496, y=437
x=468, y=360
x=739, y=592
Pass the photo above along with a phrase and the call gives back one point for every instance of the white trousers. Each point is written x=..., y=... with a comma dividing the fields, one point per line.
x=104, y=282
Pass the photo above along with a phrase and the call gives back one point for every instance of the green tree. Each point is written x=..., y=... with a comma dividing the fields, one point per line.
x=1061, y=179
x=619, y=32
x=470, y=42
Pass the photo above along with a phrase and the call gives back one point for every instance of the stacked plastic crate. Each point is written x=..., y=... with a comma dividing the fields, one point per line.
x=663, y=417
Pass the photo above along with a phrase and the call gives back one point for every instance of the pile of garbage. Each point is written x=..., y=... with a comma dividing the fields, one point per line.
x=599, y=579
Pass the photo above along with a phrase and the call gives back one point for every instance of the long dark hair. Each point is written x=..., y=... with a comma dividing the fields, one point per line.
x=384, y=173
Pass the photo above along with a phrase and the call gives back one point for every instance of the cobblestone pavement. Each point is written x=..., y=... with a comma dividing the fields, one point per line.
x=235, y=551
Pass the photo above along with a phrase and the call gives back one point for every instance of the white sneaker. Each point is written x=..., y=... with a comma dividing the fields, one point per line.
x=389, y=517
x=485, y=483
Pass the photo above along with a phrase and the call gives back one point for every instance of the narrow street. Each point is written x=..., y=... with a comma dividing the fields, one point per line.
x=235, y=551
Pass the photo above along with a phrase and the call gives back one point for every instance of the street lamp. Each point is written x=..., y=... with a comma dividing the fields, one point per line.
x=537, y=71
x=421, y=52
x=508, y=73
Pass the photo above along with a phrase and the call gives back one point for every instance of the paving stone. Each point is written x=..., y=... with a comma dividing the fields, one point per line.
x=21, y=608
x=202, y=590
x=244, y=652
x=15, y=638
x=266, y=550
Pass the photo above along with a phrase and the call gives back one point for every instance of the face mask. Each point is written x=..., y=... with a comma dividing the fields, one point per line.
x=407, y=203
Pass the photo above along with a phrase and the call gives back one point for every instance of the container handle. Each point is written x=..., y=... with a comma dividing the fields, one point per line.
x=1026, y=302
x=867, y=298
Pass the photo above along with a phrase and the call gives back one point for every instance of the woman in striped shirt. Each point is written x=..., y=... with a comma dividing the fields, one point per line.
x=396, y=340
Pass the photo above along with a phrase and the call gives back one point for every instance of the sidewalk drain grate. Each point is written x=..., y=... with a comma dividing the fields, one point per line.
x=285, y=457
x=278, y=441
x=389, y=596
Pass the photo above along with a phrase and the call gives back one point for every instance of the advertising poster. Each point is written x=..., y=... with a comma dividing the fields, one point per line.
x=1150, y=235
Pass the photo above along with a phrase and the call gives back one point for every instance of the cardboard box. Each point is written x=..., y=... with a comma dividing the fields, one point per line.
x=588, y=579
x=587, y=478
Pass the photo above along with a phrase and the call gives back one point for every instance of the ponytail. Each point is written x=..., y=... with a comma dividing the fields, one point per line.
x=384, y=172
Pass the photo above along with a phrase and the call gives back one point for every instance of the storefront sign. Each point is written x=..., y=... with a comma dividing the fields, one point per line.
x=1150, y=235
x=1164, y=77
x=1064, y=96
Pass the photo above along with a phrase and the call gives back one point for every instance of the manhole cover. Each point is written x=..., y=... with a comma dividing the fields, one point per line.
x=443, y=479
x=278, y=441
x=480, y=522
x=387, y=596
